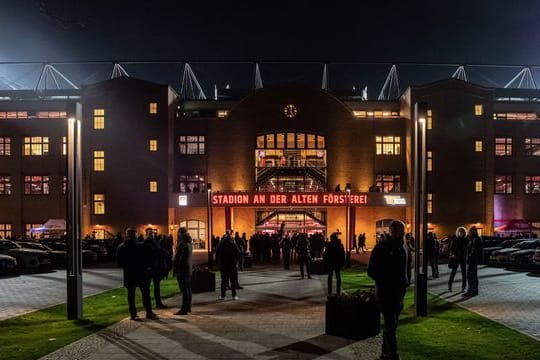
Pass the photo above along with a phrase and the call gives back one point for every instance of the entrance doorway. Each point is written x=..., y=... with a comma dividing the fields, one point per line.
x=309, y=221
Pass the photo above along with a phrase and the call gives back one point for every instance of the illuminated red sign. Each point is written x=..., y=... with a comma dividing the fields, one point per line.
x=288, y=199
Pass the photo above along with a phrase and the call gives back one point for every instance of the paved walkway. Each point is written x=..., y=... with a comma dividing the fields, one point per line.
x=278, y=316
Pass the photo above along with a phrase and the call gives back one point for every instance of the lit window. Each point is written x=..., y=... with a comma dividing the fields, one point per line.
x=99, y=119
x=99, y=204
x=29, y=227
x=429, y=203
x=191, y=183
x=429, y=120
x=359, y=113
x=515, y=116
x=429, y=159
x=5, y=146
x=99, y=160
x=36, y=185
x=153, y=186
x=532, y=146
x=152, y=145
x=192, y=145
x=152, y=108
x=36, y=146
x=478, y=186
x=64, y=145
x=388, y=145
x=503, y=146
x=478, y=146
x=5, y=185
x=222, y=113
x=478, y=109
x=5, y=231
x=532, y=184
x=503, y=184
x=388, y=183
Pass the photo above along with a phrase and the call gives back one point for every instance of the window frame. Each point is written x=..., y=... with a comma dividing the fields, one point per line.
x=530, y=180
x=385, y=142
x=5, y=146
x=504, y=146
x=507, y=179
x=42, y=180
x=383, y=183
x=189, y=146
x=36, y=146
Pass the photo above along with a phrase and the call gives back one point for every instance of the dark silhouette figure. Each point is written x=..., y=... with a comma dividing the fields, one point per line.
x=228, y=255
x=182, y=265
x=388, y=267
x=457, y=257
x=159, y=265
x=134, y=259
x=303, y=252
x=334, y=258
x=474, y=257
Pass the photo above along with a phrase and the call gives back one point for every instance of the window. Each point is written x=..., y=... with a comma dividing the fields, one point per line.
x=64, y=145
x=5, y=231
x=28, y=229
x=291, y=141
x=503, y=184
x=388, y=183
x=64, y=185
x=532, y=147
x=36, y=146
x=36, y=185
x=5, y=146
x=152, y=145
x=429, y=203
x=152, y=108
x=478, y=146
x=388, y=145
x=478, y=109
x=192, y=145
x=429, y=119
x=99, y=204
x=99, y=119
x=478, y=186
x=515, y=116
x=503, y=146
x=153, y=186
x=429, y=160
x=5, y=185
x=197, y=230
x=532, y=184
x=191, y=183
x=99, y=160
x=222, y=113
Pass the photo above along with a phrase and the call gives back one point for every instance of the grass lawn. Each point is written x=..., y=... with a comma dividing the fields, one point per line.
x=449, y=331
x=36, y=334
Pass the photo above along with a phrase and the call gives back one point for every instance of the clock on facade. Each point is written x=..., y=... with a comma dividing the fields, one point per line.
x=290, y=111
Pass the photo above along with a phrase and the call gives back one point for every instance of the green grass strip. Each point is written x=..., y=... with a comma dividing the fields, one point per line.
x=449, y=331
x=36, y=334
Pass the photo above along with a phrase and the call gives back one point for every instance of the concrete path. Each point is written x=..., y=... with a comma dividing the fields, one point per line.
x=278, y=316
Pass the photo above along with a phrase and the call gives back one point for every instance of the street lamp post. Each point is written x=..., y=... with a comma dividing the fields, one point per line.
x=420, y=215
x=209, y=227
x=347, y=226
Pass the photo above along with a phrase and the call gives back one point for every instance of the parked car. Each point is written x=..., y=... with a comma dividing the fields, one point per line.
x=8, y=264
x=522, y=258
x=88, y=256
x=487, y=250
x=26, y=258
x=502, y=256
x=97, y=247
x=536, y=258
x=58, y=257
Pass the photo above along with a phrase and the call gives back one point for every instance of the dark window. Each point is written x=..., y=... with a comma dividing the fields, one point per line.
x=36, y=185
x=388, y=183
x=191, y=183
x=532, y=146
x=5, y=146
x=5, y=185
x=192, y=145
x=503, y=184
x=532, y=184
x=503, y=146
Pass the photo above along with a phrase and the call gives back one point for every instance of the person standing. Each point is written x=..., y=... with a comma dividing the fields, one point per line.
x=409, y=245
x=286, y=246
x=457, y=257
x=431, y=253
x=182, y=267
x=228, y=255
x=303, y=251
x=362, y=242
x=334, y=258
x=354, y=244
x=388, y=267
x=474, y=257
x=158, y=265
x=134, y=259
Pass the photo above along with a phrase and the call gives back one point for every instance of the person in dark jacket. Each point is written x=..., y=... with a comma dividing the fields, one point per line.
x=334, y=258
x=432, y=253
x=228, y=255
x=158, y=264
x=134, y=259
x=182, y=267
x=303, y=252
x=474, y=257
x=388, y=267
x=457, y=257
x=286, y=246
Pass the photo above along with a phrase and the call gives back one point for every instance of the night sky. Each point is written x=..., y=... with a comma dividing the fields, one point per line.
x=485, y=31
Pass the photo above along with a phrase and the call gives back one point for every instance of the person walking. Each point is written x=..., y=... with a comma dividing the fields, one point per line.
x=354, y=244
x=228, y=255
x=334, y=258
x=303, y=251
x=158, y=265
x=388, y=267
x=457, y=257
x=134, y=260
x=474, y=257
x=362, y=242
x=182, y=268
